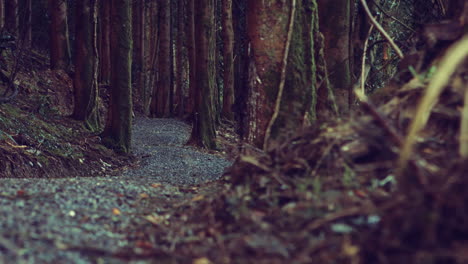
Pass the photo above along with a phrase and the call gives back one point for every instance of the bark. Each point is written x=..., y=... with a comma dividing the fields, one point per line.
x=203, y=129
x=191, y=55
x=59, y=43
x=104, y=51
x=26, y=23
x=335, y=24
x=2, y=13
x=85, y=81
x=151, y=36
x=159, y=103
x=240, y=66
x=228, y=59
x=179, y=77
x=266, y=26
x=299, y=95
x=11, y=17
x=118, y=129
x=139, y=45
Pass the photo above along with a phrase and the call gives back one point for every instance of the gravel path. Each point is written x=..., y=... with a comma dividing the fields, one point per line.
x=74, y=220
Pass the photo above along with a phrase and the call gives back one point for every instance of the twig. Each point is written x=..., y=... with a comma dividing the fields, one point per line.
x=381, y=30
x=283, y=75
x=337, y=215
x=364, y=55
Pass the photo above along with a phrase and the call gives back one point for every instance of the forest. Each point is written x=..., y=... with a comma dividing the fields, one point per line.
x=233, y=131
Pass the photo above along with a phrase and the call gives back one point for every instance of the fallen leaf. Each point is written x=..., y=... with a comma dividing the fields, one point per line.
x=116, y=211
x=156, y=185
x=21, y=193
x=143, y=244
x=144, y=196
x=202, y=261
x=198, y=198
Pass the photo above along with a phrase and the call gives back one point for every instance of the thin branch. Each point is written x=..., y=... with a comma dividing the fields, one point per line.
x=382, y=30
x=283, y=75
x=364, y=55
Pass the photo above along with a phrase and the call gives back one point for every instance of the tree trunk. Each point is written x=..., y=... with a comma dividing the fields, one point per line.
x=104, y=52
x=179, y=95
x=228, y=57
x=139, y=45
x=151, y=35
x=335, y=24
x=26, y=23
x=11, y=17
x=2, y=13
x=160, y=100
x=191, y=56
x=267, y=23
x=203, y=129
x=86, y=65
x=59, y=43
x=118, y=130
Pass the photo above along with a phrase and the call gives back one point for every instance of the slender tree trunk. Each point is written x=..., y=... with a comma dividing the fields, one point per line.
x=59, y=43
x=203, y=129
x=11, y=17
x=2, y=13
x=191, y=56
x=228, y=57
x=104, y=52
x=151, y=35
x=86, y=64
x=139, y=45
x=160, y=100
x=179, y=95
x=25, y=32
x=118, y=129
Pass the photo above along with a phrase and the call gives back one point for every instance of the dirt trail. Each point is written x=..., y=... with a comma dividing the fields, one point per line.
x=88, y=220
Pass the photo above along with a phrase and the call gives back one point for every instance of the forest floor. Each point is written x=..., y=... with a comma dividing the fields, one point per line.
x=101, y=219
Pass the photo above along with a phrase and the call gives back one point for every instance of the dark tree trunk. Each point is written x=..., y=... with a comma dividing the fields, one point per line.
x=335, y=24
x=160, y=100
x=85, y=81
x=118, y=129
x=139, y=45
x=191, y=55
x=2, y=13
x=179, y=75
x=203, y=129
x=59, y=43
x=11, y=17
x=104, y=52
x=228, y=57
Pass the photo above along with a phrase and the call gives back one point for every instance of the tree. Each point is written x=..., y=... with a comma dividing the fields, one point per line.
x=160, y=100
x=117, y=133
x=190, y=29
x=139, y=45
x=282, y=69
x=203, y=129
x=2, y=13
x=335, y=24
x=228, y=59
x=11, y=17
x=85, y=81
x=60, y=55
x=104, y=42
